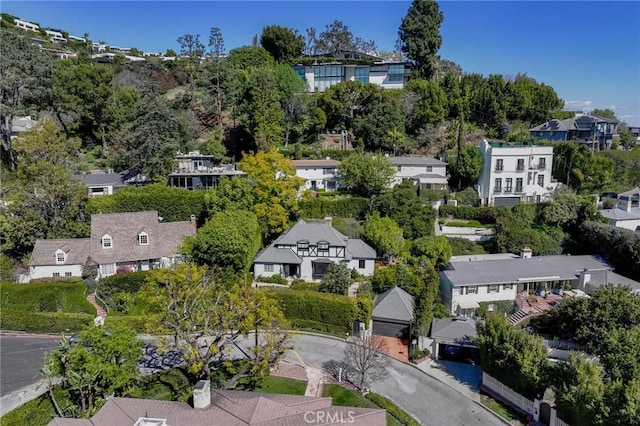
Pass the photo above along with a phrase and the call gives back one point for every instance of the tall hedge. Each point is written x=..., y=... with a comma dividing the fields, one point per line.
x=308, y=307
x=481, y=214
x=319, y=207
x=173, y=204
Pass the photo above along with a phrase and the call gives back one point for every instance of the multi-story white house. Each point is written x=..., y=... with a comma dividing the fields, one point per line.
x=199, y=171
x=76, y=38
x=472, y=279
x=308, y=248
x=26, y=25
x=514, y=172
x=318, y=174
x=426, y=172
x=349, y=66
x=98, y=47
x=627, y=212
x=55, y=35
x=119, y=242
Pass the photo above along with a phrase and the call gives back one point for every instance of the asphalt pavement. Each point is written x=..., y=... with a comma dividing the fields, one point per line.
x=20, y=361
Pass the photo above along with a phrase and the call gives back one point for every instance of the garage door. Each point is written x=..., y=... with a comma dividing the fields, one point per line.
x=506, y=201
x=390, y=329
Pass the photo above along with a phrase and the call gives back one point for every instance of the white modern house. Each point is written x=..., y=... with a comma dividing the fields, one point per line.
x=119, y=242
x=514, y=172
x=349, y=66
x=626, y=214
x=473, y=279
x=426, y=172
x=308, y=248
x=318, y=174
x=199, y=171
x=26, y=25
x=55, y=36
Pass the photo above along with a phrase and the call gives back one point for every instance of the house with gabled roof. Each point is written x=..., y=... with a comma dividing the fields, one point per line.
x=308, y=248
x=119, y=242
x=393, y=313
x=583, y=128
x=426, y=172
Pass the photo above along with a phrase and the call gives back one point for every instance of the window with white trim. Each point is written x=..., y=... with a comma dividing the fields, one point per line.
x=494, y=288
x=507, y=286
x=361, y=263
x=108, y=269
x=143, y=238
x=268, y=267
x=323, y=248
x=107, y=242
x=56, y=274
x=60, y=256
x=67, y=274
x=472, y=290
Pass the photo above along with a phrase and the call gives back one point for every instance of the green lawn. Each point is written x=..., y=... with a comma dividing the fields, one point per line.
x=345, y=398
x=273, y=384
x=502, y=410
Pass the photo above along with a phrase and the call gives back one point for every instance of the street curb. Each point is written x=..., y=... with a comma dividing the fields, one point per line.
x=12, y=333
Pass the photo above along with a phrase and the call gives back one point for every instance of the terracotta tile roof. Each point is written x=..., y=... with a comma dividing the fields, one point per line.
x=124, y=229
x=44, y=251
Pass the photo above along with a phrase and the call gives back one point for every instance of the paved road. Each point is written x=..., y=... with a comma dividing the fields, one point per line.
x=20, y=361
x=426, y=398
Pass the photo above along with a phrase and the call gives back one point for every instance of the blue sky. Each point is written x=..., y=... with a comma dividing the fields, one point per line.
x=589, y=52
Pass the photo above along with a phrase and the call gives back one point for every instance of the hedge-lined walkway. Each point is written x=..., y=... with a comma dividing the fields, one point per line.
x=92, y=299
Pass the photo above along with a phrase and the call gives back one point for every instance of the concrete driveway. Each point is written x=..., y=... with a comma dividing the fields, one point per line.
x=427, y=399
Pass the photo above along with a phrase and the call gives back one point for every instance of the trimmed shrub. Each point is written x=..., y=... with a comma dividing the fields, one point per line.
x=137, y=322
x=481, y=214
x=331, y=310
x=300, y=284
x=392, y=409
x=273, y=279
x=320, y=207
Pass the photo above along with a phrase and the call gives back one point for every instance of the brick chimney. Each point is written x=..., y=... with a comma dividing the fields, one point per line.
x=193, y=221
x=328, y=220
x=526, y=252
x=202, y=394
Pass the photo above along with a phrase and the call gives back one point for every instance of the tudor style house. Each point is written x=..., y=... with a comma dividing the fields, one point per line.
x=308, y=248
x=426, y=172
x=119, y=242
x=514, y=172
x=318, y=174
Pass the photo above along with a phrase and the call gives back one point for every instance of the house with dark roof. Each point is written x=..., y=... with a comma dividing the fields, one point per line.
x=308, y=248
x=199, y=171
x=469, y=280
x=426, y=172
x=119, y=242
x=453, y=336
x=393, y=313
x=106, y=183
x=583, y=128
x=229, y=408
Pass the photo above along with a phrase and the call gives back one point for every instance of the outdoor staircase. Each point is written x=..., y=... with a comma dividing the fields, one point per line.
x=91, y=298
x=517, y=317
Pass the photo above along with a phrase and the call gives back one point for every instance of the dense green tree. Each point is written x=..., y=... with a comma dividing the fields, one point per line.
x=148, y=144
x=231, y=194
x=335, y=38
x=24, y=74
x=343, y=102
x=365, y=174
x=513, y=356
x=466, y=167
x=216, y=44
x=229, y=241
x=627, y=139
x=102, y=362
x=403, y=205
x=245, y=57
x=193, y=49
x=384, y=234
x=430, y=106
x=337, y=279
x=419, y=35
x=382, y=128
x=435, y=249
x=283, y=43
x=606, y=113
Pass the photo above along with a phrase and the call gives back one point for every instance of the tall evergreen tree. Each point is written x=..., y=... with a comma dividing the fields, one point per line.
x=419, y=35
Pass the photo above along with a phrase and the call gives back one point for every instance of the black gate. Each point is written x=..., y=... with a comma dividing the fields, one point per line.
x=545, y=413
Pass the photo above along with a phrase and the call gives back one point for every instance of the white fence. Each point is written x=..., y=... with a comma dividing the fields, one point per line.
x=526, y=405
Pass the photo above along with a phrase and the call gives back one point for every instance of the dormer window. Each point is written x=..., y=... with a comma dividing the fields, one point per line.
x=303, y=248
x=143, y=238
x=323, y=248
x=107, y=242
x=60, y=256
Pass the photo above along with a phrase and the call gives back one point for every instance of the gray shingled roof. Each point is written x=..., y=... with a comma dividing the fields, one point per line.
x=44, y=251
x=458, y=330
x=229, y=408
x=124, y=228
x=513, y=270
x=312, y=232
x=599, y=278
x=417, y=161
x=315, y=163
x=92, y=179
x=272, y=254
x=358, y=249
x=619, y=214
x=394, y=304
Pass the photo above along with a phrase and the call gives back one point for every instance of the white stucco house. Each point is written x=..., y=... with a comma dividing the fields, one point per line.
x=308, y=248
x=426, y=172
x=26, y=25
x=119, y=242
x=514, y=172
x=627, y=212
x=472, y=279
x=318, y=174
